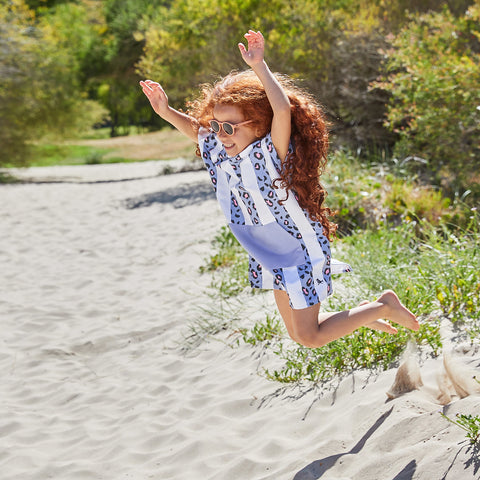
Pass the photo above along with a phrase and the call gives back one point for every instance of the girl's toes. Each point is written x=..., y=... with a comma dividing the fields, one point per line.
x=382, y=326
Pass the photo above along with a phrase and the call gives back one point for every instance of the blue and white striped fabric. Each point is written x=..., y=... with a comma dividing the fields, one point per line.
x=288, y=251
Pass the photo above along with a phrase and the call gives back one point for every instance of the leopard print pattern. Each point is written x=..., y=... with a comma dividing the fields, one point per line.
x=271, y=197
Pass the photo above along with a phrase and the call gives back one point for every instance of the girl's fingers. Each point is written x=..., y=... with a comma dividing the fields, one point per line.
x=149, y=88
x=253, y=36
x=146, y=87
x=149, y=83
x=252, y=33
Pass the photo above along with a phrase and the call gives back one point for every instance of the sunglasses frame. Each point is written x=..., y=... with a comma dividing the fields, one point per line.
x=232, y=125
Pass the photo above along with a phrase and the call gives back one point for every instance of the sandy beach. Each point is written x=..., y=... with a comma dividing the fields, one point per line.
x=99, y=283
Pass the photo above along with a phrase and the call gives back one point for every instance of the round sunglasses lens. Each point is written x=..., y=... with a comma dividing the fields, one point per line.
x=228, y=129
x=215, y=126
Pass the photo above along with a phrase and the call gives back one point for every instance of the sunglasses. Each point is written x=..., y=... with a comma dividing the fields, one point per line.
x=228, y=128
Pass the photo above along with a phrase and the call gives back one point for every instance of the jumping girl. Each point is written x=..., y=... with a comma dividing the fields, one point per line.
x=264, y=143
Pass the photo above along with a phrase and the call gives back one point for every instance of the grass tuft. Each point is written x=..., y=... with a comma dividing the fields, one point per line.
x=469, y=423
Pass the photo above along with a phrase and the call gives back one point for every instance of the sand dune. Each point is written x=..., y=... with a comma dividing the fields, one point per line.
x=99, y=282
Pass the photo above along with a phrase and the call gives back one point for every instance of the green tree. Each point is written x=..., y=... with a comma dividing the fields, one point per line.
x=100, y=39
x=395, y=14
x=38, y=84
x=361, y=31
x=194, y=41
x=434, y=78
x=110, y=74
x=331, y=47
x=39, y=5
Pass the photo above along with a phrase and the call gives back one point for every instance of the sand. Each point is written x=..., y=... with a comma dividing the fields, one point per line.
x=99, y=284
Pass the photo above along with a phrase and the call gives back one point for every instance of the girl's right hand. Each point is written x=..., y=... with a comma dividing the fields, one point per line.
x=156, y=95
x=256, y=48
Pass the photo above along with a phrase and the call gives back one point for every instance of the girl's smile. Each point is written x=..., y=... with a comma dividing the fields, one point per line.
x=243, y=135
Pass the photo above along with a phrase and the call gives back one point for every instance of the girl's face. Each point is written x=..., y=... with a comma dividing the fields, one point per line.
x=243, y=135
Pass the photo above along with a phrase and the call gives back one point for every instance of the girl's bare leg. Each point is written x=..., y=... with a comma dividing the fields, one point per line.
x=285, y=310
x=307, y=327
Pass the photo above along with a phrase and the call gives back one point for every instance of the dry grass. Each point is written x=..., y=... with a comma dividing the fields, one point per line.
x=165, y=144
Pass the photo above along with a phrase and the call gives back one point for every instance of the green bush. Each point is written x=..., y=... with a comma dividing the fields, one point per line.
x=377, y=194
x=434, y=74
x=432, y=268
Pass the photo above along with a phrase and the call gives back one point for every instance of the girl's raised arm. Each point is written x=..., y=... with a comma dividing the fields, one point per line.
x=281, y=123
x=159, y=102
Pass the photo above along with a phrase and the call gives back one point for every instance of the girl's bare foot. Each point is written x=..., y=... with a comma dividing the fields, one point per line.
x=382, y=326
x=379, y=325
x=397, y=312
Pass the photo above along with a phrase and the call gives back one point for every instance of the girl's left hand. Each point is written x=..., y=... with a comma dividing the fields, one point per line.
x=256, y=48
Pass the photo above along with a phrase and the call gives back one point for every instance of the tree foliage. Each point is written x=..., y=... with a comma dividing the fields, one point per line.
x=193, y=41
x=333, y=48
x=434, y=77
x=113, y=79
x=38, y=84
x=96, y=51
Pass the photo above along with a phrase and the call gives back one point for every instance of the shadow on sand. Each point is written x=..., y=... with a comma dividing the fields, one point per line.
x=180, y=196
x=318, y=468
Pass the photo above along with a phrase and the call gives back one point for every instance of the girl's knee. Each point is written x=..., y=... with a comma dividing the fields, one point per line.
x=297, y=333
x=294, y=336
x=305, y=326
x=304, y=335
x=308, y=340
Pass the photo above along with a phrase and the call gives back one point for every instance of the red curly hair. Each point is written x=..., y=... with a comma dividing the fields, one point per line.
x=302, y=168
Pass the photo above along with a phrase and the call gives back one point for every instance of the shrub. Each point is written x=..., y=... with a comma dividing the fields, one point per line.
x=378, y=194
x=433, y=77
